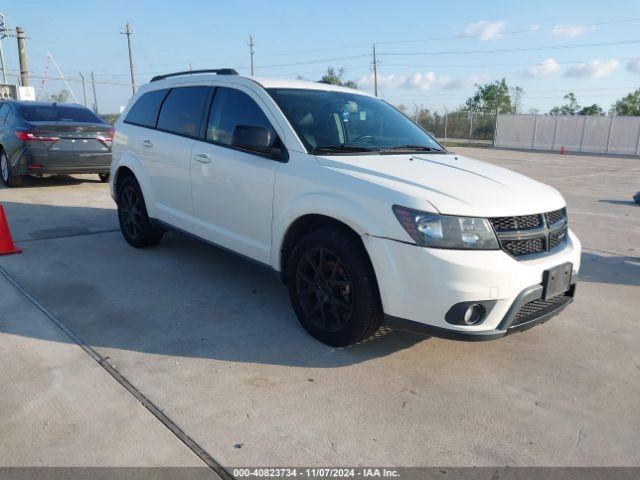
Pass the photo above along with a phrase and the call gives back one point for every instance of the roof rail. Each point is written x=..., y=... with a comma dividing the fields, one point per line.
x=218, y=71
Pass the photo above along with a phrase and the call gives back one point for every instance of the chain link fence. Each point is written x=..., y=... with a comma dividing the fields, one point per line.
x=460, y=127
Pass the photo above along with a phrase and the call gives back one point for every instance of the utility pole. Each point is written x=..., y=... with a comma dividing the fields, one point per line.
x=128, y=32
x=375, y=71
x=251, y=51
x=22, y=57
x=95, y=96
x=84, y=89
x=4, y=32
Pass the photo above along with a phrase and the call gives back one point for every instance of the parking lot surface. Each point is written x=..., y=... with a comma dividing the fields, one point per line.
x=210, y=339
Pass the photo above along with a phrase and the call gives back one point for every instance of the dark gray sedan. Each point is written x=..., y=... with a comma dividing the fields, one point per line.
x=39, y=138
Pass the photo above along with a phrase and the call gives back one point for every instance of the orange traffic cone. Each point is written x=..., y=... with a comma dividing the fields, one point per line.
x=6, y=243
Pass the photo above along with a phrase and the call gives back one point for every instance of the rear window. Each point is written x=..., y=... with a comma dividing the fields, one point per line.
x=145, y=111
x=182, y=110
x=58, y=113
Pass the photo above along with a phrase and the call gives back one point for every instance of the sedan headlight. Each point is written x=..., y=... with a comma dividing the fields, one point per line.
x=446, y=231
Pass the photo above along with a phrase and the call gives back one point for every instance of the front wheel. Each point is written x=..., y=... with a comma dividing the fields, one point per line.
x=8, y=178
x=333, y=289
x=135, y=225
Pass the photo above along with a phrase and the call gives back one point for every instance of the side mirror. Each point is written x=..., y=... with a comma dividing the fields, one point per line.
x=257, y=139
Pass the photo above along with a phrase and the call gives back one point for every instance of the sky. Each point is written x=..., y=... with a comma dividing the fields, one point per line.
x=430, y=54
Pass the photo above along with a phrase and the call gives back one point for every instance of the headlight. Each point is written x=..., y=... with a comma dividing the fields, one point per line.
x=446, y=231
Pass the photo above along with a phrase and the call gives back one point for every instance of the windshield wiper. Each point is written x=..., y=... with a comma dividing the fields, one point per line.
x=409, y=148
x=343, y=148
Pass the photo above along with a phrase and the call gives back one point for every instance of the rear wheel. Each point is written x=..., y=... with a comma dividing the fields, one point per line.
x=8, y=178
x=104, y=177
x=333, y=289
x=135, y=224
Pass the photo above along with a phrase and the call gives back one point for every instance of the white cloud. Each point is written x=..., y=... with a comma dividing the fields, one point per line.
x=424, y=81
x=543, y=69
x=593, y=69
x=462, y=82
x=570, y=31
x=535, y=27
x=485, y=30
x=384, y=81
x=421, y=81
x=634, y=65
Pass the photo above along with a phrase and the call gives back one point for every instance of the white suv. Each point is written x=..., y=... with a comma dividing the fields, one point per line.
x=367, y=219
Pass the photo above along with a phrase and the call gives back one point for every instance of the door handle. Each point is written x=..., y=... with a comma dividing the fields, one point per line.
x=147, y=143
x=202, y=158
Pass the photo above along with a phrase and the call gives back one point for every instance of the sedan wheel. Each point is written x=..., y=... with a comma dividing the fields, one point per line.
x=8, y=178
x=4, y=168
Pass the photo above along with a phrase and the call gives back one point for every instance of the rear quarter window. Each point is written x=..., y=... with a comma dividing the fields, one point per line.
x=183, y=109
x=145, y=111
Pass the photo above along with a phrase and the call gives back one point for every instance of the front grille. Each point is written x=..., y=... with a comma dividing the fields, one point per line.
x=557, y=238
x=535, y=234
x=524, y=222
x=537, y=308
x=518, y=248
x=556, y=216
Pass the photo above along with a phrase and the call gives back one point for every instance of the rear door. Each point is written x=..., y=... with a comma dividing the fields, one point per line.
x=233, y=188
x=168, y=152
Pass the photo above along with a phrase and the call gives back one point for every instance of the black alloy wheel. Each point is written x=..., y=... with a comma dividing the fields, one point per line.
x=135, y=225
x=324, y=289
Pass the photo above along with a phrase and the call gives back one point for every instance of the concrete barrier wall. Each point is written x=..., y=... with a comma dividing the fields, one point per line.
x=589, y=134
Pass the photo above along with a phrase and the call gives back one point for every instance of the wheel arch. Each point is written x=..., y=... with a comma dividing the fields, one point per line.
x=130, y=165
x=307, y=223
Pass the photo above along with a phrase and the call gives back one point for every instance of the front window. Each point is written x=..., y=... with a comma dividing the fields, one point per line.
x=341, y=122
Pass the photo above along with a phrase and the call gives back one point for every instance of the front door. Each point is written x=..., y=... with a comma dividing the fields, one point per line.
x=232, y=188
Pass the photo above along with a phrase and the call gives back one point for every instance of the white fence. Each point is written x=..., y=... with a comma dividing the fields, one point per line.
x=583, y=133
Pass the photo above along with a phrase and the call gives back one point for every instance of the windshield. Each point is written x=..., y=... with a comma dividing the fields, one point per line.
x=58, y=113
x=339, y=122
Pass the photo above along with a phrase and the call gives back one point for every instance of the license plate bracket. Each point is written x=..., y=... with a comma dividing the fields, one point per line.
x=556, y=280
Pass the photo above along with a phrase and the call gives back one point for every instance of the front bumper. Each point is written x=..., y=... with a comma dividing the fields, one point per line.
x=419, y=285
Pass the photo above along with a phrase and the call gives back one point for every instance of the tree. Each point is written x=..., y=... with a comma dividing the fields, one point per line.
x=571, y=108
x=335, y=77
x=594, y=109
x=60, y=97
x=516, y=98
x=627, y=105
x=494, y=96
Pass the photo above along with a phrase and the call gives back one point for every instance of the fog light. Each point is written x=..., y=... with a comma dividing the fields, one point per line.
x=469, y=313
x=473, y=314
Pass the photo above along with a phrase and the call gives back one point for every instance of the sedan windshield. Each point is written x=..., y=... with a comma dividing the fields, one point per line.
x=342, y=122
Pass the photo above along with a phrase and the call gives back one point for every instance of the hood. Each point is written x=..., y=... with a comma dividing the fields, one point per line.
x=453, y=184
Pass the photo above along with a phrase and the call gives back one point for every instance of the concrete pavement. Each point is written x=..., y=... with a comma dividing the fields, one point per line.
x=210, y=339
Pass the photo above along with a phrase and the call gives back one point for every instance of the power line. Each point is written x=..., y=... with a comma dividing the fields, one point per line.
x=511, y=32
x=507, y=50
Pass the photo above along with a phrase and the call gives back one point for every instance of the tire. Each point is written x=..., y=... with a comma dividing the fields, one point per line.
x=134, y=221
x=8, y=178
x=333, y=289
x=104, y=177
